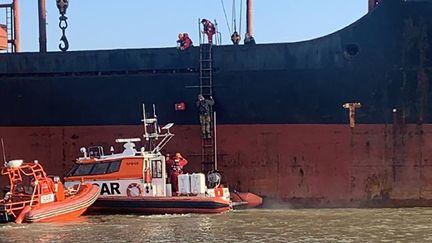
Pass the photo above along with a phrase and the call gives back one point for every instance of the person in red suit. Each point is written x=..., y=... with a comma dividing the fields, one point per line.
x=209, y=29
x=175, y=168
x=184, y=42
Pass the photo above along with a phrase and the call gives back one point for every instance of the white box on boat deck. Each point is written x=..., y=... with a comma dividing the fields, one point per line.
x=184, y=184
x=198, y=184
x=168, y=190
x=149, y=190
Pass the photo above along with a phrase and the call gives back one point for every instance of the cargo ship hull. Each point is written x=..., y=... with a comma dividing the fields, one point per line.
x=282, y=130
x=290, y=165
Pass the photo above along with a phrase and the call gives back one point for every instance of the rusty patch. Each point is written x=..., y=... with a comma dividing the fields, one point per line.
x=377, y=187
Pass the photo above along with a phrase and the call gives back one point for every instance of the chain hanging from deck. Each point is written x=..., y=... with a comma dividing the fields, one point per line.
x=62, y=5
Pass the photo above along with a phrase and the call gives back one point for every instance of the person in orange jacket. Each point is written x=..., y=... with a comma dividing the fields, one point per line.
x=175, y=168
x=184, y=42
x=209, y=29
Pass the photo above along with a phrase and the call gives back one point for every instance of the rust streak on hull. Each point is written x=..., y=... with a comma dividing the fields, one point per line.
x=310, y=165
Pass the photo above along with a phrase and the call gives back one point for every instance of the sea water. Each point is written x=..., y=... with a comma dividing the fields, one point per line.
x=255, y=225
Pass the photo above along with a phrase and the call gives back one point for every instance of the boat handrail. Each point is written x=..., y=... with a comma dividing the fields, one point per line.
x=152, y=132
x=33, y=168
x=34, y=192
x=12, y=206
x=73, y=190
x=166, y=138
x=127, y=140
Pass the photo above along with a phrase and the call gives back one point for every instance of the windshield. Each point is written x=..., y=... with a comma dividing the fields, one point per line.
x=95, y=169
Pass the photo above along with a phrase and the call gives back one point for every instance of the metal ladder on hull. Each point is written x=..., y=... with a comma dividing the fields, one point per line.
x=9, y=28
x=208, y=146
x=206, y=70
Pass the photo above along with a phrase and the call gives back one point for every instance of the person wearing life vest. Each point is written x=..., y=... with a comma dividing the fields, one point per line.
x=176, y=166
x=184, y=42
x=249, y=39
x=208, y=29
x=235, y=38
x=204, y=109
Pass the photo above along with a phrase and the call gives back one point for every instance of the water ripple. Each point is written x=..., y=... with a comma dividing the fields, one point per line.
x=308, y=225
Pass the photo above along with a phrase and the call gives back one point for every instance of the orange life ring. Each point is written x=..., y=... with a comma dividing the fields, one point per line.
x=135, y=190
x=148, y=176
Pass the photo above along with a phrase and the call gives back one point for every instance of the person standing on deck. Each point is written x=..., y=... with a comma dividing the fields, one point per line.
x=204, y=110
x=209, y=29
x=249, y=40
x=175, y=168
x=235, y=38
x=184, y=42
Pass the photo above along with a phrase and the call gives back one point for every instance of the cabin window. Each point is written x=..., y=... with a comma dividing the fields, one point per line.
x=83, y=169
x=114, y=167
x=95, y=169
x=156, y=169
x=100, y=168
x=72, y=171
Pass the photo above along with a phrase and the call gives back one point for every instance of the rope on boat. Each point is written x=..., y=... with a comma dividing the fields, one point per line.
x=34, y=192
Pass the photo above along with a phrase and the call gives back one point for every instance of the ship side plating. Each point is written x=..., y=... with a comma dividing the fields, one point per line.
x=282, y=129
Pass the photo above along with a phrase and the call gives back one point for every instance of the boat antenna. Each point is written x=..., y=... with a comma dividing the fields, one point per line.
x=234, y=16
x=215, y=141
x=240, y=15
x=145, y=122
x=3, y=151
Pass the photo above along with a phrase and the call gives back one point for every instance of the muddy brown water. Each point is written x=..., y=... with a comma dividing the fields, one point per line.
x=256, y=225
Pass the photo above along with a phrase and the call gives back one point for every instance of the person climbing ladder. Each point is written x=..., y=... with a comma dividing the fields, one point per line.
x=208, y=29
x=204, y=111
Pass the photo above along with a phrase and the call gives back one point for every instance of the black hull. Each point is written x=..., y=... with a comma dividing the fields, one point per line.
x=157, y=206
x=383, y=61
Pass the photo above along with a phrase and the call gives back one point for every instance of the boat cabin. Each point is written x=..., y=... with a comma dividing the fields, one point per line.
x=115, y=173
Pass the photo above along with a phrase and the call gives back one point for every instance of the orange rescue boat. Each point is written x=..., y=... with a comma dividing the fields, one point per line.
x=148, y=182
x=34, y=197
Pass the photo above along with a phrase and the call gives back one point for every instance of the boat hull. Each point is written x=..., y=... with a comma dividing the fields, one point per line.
x=160, y=205
x=245, y=200
x=66, y=210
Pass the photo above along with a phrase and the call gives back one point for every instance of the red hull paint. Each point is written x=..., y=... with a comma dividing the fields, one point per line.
x=246, y=199
x=304, y=165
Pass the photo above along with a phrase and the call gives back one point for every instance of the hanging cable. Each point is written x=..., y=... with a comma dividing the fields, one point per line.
x=233, y=16
x=226, y=18
x=241, y=14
